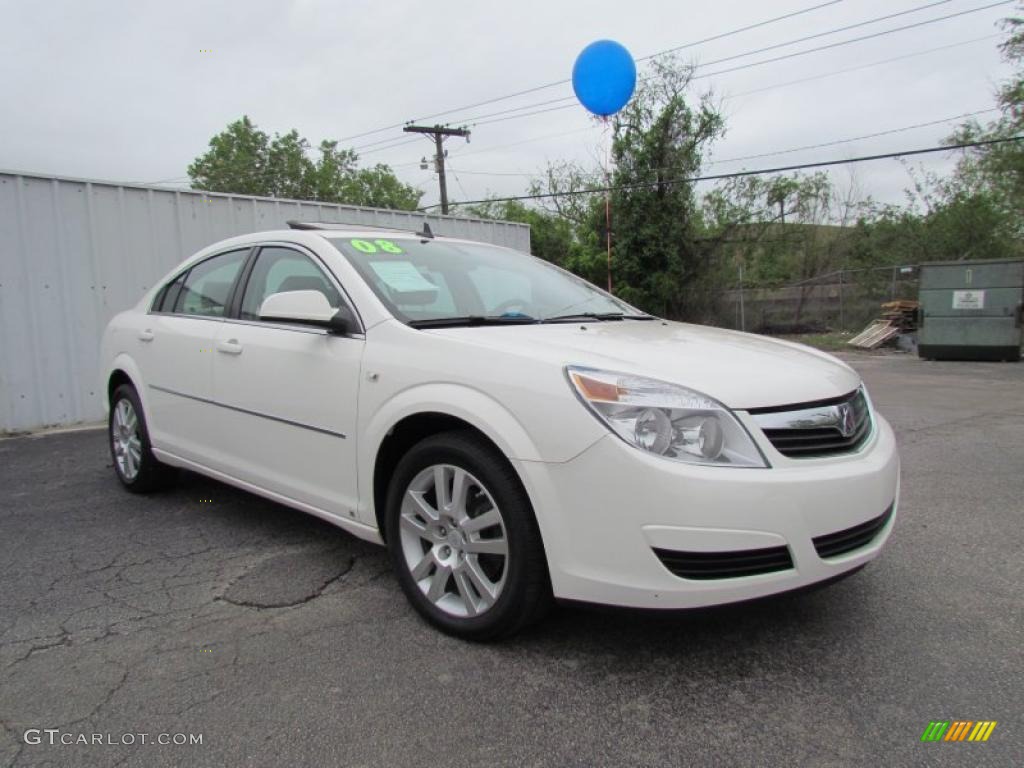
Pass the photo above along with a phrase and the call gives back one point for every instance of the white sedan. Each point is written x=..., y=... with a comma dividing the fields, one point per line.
x=509, y=431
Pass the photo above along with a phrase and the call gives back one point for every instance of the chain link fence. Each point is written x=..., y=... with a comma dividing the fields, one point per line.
x=844, y=300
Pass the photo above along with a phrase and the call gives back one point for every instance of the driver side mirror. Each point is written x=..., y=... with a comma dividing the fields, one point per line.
x=308, y=308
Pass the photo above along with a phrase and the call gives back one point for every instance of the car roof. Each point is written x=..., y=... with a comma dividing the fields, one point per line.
x=302, y=235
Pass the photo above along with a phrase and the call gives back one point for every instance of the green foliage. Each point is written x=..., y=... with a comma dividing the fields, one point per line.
x=378, y=187
x=957, y=225
x=552, y=237
x=778, y=228
x=997, y=171
x=974, y=213
x=289, y=172
x=236, y=162
x=244, y=160
x=659, y=141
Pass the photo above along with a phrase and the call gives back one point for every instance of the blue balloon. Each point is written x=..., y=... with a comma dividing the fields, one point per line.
x=604, y=77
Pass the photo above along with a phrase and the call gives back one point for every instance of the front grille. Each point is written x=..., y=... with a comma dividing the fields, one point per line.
x=725, y=565
x=815, y=430
x=841, y=542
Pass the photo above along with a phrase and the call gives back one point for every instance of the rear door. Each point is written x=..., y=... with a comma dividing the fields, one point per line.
x=288, y=393
x=175, y=354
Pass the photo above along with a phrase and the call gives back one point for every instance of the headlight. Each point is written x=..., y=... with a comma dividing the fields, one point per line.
x=666, y=419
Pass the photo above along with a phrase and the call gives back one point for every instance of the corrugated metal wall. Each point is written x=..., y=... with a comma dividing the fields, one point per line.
x=75, y=252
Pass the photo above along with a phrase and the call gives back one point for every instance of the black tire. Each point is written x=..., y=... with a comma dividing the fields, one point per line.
x=151, y=475
x=526, y=593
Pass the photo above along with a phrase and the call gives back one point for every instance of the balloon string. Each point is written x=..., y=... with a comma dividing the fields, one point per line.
x=608, y=197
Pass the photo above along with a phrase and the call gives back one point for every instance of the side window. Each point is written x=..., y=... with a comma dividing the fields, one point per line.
x=281, y=269
x=208, y=284
x=164, y=301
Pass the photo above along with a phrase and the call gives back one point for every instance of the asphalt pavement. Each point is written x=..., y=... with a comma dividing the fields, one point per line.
x=278, y=640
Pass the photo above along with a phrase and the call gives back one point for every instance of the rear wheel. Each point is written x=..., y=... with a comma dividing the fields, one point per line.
x=134, y=463
x=463, y=538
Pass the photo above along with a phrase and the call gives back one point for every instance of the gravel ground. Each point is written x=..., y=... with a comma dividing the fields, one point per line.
x=283, y=641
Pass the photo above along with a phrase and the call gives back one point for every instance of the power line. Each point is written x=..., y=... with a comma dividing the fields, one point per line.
x=775, y=153
x=378, y=142
x=398, y=143
x=458, y=181
x=559, y=100
x=862, y=38
x=546, y=136
x=834, y=31
x=855, y=138
x=740, y=174
x=394, y=143
x=733, y=32
x=569, y=102
x=785, y=84
x=526, y=114
x=528, y=91
x=860, y=67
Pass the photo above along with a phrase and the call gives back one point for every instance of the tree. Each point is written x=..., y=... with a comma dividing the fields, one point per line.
x=746, y=223
x=236, y=162
x=290, y=173
x=783, y=230
x=998, y=170
x=244, y=160
x=552, y=237
x=572, y=219
x=332, y=170
x=659, y=141
x=378, y=187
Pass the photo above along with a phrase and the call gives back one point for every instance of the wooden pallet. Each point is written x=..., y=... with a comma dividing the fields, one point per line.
x=902, y=314
x=875, y=335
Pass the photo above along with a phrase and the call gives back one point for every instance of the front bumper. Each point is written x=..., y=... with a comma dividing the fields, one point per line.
x=604, y=513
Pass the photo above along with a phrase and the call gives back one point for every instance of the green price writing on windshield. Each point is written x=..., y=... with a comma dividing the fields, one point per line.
x=366, y=246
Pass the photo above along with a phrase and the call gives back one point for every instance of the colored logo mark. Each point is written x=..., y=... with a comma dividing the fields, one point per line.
x=958, y=730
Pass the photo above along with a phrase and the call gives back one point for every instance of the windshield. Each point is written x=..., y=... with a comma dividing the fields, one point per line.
x=421, y=282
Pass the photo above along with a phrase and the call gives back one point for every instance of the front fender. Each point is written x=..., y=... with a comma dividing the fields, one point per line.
x=476, y=408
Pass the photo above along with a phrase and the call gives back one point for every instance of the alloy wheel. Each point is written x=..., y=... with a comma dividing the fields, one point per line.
x=453, y=540
x=126, y=440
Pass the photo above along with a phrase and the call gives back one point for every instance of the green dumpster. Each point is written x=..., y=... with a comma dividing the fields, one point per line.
x=971, y=310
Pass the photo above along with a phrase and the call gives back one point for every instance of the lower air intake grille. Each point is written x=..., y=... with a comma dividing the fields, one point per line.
x=725, y=565
x=841, y=542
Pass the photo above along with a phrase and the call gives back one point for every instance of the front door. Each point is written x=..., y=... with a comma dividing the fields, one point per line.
x=287, y=394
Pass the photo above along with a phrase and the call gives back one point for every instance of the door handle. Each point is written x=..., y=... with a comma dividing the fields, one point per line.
x=146, y=335
x=229, y=347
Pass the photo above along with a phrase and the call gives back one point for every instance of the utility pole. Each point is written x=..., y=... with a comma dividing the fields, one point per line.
x=439, y=134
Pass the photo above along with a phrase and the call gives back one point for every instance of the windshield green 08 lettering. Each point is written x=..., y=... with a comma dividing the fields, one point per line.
x=375, y=246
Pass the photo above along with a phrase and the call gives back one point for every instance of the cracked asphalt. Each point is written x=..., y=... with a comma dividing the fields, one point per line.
x=283, y=641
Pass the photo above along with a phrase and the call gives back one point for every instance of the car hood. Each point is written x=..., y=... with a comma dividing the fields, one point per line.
x=741, y=370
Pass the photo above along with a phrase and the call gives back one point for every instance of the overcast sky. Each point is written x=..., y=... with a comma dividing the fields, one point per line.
x=127, y=90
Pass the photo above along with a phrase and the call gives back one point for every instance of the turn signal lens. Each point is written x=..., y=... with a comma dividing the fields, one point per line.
x=594, y=389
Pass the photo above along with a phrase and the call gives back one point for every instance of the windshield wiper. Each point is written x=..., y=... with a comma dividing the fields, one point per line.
x=594, y=316
x=470, y=320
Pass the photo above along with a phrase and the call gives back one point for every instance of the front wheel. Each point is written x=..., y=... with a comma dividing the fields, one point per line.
x=463, y=538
